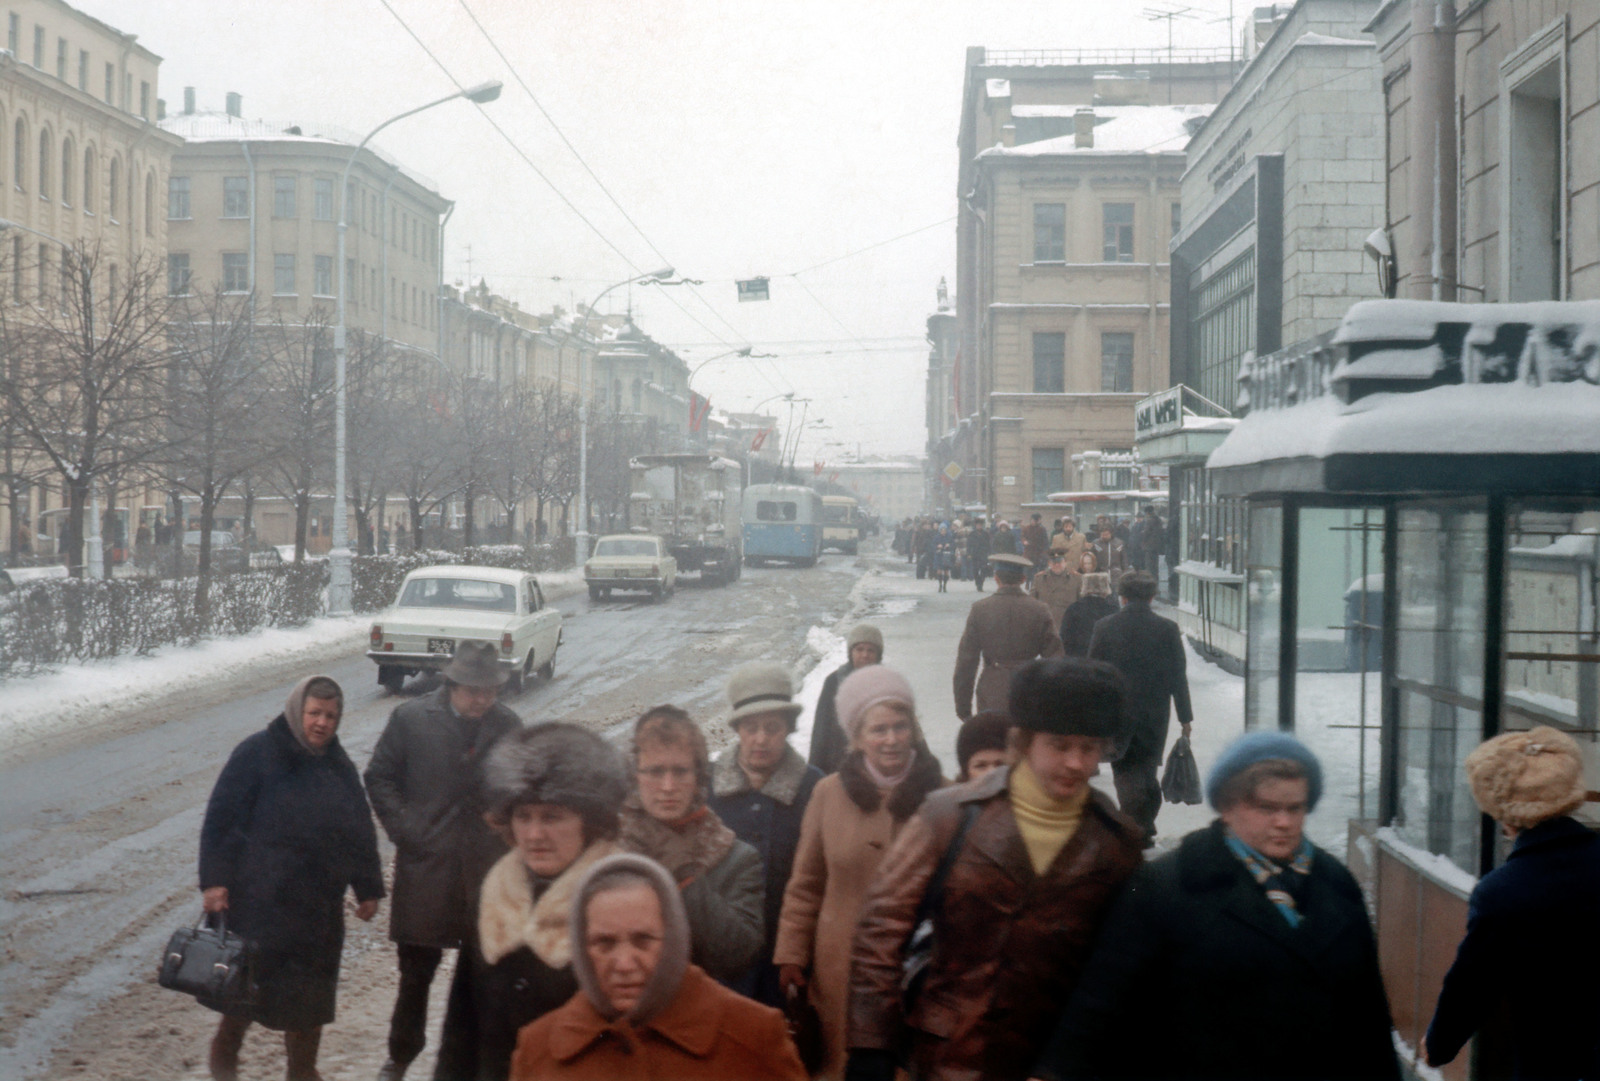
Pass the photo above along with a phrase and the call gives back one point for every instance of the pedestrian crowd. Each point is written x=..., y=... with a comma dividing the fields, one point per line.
x=649, y=912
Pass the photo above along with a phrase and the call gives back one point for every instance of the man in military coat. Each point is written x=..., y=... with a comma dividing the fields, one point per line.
x=1003, y=633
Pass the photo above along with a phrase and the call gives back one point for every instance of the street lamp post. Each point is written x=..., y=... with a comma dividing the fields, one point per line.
x=580, y=548
x=339, y=594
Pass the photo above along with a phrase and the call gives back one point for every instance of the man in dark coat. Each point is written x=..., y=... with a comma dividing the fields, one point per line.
x=1547, y=891
x=760, y=789
x=978, y=552
x=1148, y=651
x=1152, y=539
x=1003, y=632
x=829, y=744
x=1110, y=555
x=1244, y=955
x=425, y=782
x=287, y=831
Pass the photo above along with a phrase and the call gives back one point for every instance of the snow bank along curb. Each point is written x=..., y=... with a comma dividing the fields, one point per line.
x=56, y=704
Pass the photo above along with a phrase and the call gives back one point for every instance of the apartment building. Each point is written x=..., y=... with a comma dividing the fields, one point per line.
x=82, y=163
x=252, y=206
x=1070, y=166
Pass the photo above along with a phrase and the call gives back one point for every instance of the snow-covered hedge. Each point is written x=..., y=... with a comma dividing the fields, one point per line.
x=60, y=620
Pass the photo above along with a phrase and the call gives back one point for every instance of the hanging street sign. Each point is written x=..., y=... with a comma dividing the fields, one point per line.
x=753, y=289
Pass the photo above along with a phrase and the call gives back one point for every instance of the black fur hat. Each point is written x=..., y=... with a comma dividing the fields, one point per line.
x=1069, y=696
x=558, y=763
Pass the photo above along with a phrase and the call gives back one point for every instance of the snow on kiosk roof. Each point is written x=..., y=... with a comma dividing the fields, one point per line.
x=1410, y=396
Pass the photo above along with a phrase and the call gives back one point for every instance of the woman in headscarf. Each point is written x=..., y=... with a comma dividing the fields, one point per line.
x=287, y=832
x=853, y=817
x=1094, y=603
x=666, y=818
x=553, y=791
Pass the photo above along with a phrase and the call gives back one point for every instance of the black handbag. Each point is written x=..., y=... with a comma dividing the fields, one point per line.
x=1180, y=781
x=918, y=952
x=805, y=1029
x=211, y=963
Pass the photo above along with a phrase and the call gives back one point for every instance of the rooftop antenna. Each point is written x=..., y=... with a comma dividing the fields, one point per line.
x=1169, y=15
x=1233, y=41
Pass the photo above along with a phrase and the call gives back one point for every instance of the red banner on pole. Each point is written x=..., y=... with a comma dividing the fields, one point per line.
x=699, y=409
x=761, y=437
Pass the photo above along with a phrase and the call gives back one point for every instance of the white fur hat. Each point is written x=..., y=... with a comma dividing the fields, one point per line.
x=1524, y=778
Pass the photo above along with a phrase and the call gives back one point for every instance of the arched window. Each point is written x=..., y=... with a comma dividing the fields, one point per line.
x=112, y=187
x=19, y=156
x=69, y=162
x=91, y=170
x=150, y=204
x=44, y=163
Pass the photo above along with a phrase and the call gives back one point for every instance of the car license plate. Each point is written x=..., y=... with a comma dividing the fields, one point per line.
x=446, y=646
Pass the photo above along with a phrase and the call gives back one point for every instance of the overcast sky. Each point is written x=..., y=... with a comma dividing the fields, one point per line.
x=743, y=138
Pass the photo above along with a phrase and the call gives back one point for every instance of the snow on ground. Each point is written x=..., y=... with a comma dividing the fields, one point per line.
x=830, y=651
x=56, y=702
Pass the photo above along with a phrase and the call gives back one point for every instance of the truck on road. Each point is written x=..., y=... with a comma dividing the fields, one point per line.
x=690, y=500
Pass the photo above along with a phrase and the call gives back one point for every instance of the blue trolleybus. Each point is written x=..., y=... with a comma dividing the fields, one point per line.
x=782, y=522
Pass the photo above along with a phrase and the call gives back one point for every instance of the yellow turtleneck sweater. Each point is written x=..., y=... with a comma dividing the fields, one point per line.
x=1045, y=822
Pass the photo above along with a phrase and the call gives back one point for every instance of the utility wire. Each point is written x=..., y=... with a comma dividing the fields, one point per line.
x=870, y=247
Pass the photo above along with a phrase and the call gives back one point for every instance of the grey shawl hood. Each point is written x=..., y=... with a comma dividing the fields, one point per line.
x=727, y=779
x=663, y=985
x=294, y=708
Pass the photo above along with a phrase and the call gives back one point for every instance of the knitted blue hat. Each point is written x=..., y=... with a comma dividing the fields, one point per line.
x=1254, y=747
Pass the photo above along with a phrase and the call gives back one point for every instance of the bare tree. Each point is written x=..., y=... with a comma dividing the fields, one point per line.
x=84, y=382
x=427, y=473
x=217, y=396
x=552, y=459
x=377, y=386
x=300, y=415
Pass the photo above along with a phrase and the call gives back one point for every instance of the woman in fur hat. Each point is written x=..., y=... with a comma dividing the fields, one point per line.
x=1532, y=937
x=853, y=817
x=666, y=818
x=553, y=791
x=287, y=831
x=1094, y=603
x=645, y=1010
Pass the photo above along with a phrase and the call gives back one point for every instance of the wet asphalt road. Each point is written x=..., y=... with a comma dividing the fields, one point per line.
x=98, y=842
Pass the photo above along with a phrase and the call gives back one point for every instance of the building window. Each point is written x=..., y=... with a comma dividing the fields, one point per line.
x=235, y=197
x=13, y=32
x=1177, y=221
x=1118, y=219
x=283, y=197
x=322, y=198
x=114, y=189
x=1533, y=227
x=1049, y=363
x=61, y=59
x=44, y=164
x=1049, y=472
x=150, y=203
x=283, y=274
x=1116, y=362
x=178, y=197
x=405, y=233
x=1049, y=232
x=322, y=270
x=1224, y=328
x=16, y=264
x=235, y=272
x=83, y=70
x=38, y=47
x=111, y=84
x=351, y=281
x=69, y=161
x=90, y=168
x=352, y=204
x=178, y=275
x=19, y=156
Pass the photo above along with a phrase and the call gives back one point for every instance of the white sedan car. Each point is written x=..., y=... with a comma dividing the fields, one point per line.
x=631, y=561
x=440, y=607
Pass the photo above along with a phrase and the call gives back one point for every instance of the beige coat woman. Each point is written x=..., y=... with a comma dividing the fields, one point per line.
x=847, y=829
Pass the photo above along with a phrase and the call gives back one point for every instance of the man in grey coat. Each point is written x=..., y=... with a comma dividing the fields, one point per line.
x=1148, y=651
x=425, y=783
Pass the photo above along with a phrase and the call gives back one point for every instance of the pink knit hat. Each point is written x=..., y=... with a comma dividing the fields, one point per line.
x=868, y=687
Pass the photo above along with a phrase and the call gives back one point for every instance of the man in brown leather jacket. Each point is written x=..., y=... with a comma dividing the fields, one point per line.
x=1033, y=874
x=1005, y=631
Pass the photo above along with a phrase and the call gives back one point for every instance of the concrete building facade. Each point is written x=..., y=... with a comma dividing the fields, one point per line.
x=892, y=489
x=1069, y=177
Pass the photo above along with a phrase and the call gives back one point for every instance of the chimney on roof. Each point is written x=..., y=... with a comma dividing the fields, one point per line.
x=235, y=104
x=1083, y=129
x=188, y=101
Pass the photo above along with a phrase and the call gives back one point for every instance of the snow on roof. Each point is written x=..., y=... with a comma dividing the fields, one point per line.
x=1118, y=129
x=1311, y=37
x=998, y=88
x=215, y=127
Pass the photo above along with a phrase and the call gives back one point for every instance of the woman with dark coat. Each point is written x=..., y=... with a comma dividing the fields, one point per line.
x=287, y=831
x=1094, y=603
x=1245, y=955
x=553, y=790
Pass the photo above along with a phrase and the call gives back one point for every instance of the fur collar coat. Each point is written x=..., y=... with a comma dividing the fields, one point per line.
x=509, y=917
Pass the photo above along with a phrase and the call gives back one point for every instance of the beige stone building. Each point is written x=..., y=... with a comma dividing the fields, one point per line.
x=1069, y=189
x=252, y=206
x=1494, y=148
x=82, y=161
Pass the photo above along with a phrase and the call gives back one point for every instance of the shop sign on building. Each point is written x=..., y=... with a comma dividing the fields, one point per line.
x=1159, y=414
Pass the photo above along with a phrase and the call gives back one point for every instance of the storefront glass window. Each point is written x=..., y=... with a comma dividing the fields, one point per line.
x=1264, y=586
x=1442, y=561
x=1339, y=660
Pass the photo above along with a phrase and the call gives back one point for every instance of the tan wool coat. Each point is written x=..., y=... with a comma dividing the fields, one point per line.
x=1074, y=546
x=1056, y=590
x=841, y=844
x=1004, y=631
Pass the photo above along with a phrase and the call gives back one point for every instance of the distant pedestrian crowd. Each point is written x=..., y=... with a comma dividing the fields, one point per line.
x=649, y=912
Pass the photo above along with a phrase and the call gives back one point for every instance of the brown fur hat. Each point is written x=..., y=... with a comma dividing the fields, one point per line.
x=1524, y=778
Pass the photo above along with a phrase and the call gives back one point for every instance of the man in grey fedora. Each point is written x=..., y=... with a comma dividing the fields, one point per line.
x=425, y=783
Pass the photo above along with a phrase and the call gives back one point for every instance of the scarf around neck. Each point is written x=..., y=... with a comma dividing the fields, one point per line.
x=1046, y=823
x=886, y=781
x=688, y=847
x=1274, y=877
